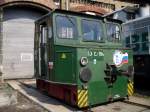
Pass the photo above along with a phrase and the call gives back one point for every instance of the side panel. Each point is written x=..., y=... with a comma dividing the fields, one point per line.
x=96, y=87
x=64, y=64
x=120, y=88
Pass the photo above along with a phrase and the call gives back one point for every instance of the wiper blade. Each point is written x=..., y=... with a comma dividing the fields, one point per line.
x=69, y=18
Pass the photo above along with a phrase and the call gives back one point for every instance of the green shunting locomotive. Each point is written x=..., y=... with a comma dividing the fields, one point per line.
x=79, y=58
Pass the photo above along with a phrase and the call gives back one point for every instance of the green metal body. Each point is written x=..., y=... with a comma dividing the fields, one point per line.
x=65, y=54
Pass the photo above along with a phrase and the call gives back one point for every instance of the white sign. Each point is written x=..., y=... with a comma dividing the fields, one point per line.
x=26, y=56
x=119, y=58
x=50, y=65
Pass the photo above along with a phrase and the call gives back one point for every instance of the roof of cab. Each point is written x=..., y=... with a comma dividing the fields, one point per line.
x=77, y=14
x=145, y=18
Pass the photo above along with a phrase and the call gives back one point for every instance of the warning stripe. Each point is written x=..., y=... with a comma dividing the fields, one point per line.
x=130, y=88
x=82, y=98
x=130, y=91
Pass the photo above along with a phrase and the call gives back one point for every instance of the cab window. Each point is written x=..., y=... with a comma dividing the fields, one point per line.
x=66, y=27
x=113, y=32
x=91, y=30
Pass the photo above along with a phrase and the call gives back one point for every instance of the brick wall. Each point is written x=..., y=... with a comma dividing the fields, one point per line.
x=50, y=4
x=89, y=8
x=46, y=3
x=118, y=4
x=76, y=7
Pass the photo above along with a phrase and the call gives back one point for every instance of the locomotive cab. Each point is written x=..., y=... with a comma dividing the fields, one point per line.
x=79, y=58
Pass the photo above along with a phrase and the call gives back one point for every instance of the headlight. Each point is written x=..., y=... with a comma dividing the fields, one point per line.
x=84, y=61
x=85, y=74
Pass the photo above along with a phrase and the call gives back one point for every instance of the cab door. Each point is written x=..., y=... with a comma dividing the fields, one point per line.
x=43, y=57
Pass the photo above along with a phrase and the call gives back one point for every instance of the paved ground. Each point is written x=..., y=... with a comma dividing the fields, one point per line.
x=46, y=102
x=23, y=105
x=13, y=101
x=120, y=107
x=54, y=105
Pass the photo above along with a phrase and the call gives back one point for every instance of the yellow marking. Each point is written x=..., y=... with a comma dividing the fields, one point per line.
x=82, y=98
x=79, y=91
x=84, y=101
x=129, y=93
x=81, y=94
x=63, y=56
x=130, y=88
x=86, y=104
x=131, y=85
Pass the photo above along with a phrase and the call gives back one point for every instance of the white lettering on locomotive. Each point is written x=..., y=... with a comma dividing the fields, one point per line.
x=95, y=53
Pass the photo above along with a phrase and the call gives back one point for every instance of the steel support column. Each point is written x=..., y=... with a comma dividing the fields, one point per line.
x=1, y=40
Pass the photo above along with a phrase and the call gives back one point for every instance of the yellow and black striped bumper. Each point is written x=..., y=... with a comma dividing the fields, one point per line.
x=130, y=88
x=82, y=98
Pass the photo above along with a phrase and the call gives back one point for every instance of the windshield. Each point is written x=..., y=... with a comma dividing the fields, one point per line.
x=113, y=32
x=91, y=30
x=66, y=27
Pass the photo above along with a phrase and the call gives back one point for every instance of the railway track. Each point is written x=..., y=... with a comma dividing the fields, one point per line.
x=137, y=104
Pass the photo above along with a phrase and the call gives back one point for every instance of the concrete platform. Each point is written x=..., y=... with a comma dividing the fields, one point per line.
x=46, y=102
x=7, y=95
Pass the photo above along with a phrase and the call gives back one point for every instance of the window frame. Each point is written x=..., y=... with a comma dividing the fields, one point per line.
x=119, y=32
x=101, y=31
x=75, y=27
